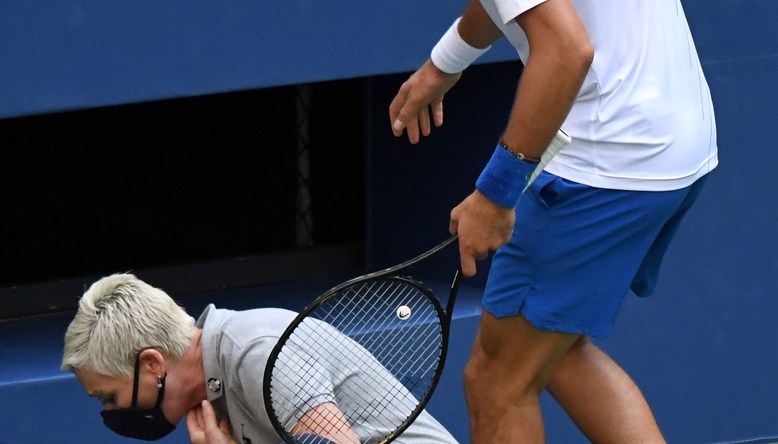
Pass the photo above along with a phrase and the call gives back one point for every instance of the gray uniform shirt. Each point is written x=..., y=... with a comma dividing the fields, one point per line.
x=235, y=348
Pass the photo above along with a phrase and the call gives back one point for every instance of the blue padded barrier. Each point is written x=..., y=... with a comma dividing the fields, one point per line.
x=41, y=404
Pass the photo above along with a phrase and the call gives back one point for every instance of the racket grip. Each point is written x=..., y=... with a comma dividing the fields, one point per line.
x=561, y=140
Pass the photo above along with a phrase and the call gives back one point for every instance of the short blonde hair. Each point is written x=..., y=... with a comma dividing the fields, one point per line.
x=118, y=316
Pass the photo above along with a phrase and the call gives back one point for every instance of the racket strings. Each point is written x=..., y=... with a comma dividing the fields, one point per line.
x=384, y=363
x=386, y=346
x=410, y=346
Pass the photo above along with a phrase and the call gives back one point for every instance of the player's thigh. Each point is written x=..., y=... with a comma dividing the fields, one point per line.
x=513, y=354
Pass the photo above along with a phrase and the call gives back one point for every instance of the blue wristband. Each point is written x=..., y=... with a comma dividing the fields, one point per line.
x=504, y=178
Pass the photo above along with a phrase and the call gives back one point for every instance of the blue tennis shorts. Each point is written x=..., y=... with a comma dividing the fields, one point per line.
x=576, y=252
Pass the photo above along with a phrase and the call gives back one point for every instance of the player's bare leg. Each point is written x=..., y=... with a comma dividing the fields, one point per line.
x=509, y=366
x=601, y=398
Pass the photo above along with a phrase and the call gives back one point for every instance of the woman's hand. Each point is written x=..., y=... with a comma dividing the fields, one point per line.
x=205, y=428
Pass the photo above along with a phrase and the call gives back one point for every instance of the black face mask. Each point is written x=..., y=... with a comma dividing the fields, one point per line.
x=132, y=422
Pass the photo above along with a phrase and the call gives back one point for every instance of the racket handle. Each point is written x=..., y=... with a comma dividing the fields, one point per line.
x=452, y=293
x=561, y=140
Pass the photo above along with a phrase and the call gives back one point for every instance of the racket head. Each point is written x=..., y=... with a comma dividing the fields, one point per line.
x=386, y=334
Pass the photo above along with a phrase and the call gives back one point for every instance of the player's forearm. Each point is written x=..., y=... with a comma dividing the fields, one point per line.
x=544, y=97
x=560, y=56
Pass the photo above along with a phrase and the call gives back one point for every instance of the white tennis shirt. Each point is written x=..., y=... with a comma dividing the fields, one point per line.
x=643, y=119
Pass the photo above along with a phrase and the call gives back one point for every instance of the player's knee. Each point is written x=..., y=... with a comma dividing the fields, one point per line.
x=476, y=369
x=481, y=374
x=469, y=375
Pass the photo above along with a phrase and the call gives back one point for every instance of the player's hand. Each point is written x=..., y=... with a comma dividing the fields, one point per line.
x=205, y=428
x=482, y=226
x=422, y=92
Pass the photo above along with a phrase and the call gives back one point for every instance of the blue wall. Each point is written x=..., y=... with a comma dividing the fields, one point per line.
x=704, y=349
x=74, y=54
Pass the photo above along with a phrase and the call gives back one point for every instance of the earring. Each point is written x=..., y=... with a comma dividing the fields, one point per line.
x=159, y=381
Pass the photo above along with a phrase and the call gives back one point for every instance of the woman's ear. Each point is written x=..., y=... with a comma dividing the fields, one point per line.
x=152, y=360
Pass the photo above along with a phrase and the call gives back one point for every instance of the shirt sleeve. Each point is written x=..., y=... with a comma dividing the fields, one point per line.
x=302, y=381
x=510, y=9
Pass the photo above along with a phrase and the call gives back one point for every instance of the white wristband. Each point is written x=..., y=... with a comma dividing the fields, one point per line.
x=452, y=54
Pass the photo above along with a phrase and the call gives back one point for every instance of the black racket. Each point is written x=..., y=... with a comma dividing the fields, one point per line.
x=378, y=342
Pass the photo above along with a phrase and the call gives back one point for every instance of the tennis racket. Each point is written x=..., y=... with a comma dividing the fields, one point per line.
x=364, y=357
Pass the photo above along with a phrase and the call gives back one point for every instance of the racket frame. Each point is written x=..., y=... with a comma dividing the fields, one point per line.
x=394, y=273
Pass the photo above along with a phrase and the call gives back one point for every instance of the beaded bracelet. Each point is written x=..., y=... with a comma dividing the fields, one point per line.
x=520, y=156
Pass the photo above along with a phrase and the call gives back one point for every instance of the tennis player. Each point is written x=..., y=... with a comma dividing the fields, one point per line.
x=149, y=363
x=623, y=79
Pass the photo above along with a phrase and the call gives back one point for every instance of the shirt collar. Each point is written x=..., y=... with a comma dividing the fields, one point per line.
x=214, y=379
